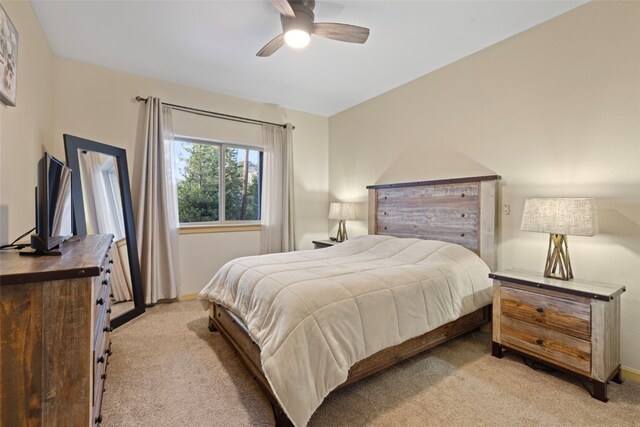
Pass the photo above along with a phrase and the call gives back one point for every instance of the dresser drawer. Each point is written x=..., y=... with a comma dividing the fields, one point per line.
x=100, y=359
x=567, y=351
x=562, y=315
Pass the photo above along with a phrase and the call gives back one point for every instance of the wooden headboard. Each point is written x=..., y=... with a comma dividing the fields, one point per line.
x=461, y=210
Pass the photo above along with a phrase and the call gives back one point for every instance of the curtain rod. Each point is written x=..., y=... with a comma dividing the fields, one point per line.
x=215, y=114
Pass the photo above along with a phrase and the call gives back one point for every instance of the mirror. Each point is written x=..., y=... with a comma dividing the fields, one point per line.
x=101, y=198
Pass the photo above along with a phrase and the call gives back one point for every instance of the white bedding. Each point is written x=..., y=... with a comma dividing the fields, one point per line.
x=315, y=313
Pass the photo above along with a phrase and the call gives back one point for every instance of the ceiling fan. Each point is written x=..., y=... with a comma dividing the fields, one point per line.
x=298, y=24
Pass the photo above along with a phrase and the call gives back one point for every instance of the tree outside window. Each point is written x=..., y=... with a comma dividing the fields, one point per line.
x=199, y=170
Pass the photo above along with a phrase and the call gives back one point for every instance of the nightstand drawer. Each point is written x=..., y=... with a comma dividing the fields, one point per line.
x=567, y=351
x=563, y=315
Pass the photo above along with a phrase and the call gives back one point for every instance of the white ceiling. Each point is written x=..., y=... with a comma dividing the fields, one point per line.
x=212, y=44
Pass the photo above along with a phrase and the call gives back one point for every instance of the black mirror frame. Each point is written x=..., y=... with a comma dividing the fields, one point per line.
x=72, y=145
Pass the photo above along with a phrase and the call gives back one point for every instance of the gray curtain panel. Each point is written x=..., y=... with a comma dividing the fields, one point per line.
x=277, y=233
x=157, y=213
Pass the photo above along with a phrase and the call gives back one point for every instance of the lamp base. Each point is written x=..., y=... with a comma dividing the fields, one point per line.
x=558, y=264
x=342, y=232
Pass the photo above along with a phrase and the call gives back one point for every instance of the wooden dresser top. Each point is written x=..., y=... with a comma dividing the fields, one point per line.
x=81, y=257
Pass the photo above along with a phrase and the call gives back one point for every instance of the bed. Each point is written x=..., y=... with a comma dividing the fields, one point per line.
x=308, y=322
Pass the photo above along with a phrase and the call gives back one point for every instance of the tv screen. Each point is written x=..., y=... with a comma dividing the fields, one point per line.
x=53, y=205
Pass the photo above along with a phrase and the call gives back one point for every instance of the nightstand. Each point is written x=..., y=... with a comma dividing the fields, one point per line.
x=319, y=244
x=573, y=325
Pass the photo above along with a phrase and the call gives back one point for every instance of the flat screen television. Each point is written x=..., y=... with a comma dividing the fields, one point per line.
x=53, y=206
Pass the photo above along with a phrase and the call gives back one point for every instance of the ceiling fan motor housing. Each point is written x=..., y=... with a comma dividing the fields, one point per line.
x=304, y=17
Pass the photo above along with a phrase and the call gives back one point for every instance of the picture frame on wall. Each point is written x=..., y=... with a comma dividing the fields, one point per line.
x=8, y=59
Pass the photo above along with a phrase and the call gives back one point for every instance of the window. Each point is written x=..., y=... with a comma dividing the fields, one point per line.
x=202, y=175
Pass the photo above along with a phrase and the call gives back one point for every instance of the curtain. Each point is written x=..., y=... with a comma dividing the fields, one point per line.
x=277, y=233
x=103, y=211
x=157, y=212
x=103, y=207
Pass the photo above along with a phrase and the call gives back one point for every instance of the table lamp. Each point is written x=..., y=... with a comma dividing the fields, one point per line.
x=342, y=212
x=559, y=218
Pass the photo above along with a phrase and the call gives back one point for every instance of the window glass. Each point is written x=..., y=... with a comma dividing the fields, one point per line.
x=198, y=170
x=242, y=184
x=198, y=181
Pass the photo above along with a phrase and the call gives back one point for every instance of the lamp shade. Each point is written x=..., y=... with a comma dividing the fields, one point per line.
x=573, y=216
x=342, y=211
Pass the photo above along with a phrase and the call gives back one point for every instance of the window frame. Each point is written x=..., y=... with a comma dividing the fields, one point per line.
x=222, y=224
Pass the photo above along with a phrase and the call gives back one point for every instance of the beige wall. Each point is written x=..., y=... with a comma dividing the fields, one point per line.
x=98, y=103
x=26, y=130
x=554, y=110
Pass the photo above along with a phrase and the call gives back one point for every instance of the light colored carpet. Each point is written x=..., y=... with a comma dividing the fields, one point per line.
x=167, y=369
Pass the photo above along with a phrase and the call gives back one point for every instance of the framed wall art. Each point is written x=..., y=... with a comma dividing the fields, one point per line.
x=8, y=59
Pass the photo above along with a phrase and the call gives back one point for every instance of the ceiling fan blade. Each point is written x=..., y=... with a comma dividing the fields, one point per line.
x=283, y=7
x=341, y=32
x=272, y=46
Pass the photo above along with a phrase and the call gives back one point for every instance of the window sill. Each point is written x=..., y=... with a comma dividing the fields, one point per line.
x=217, y=228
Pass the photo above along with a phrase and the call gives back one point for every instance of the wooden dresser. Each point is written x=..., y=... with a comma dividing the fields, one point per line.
x=54, y=327
x=573, y=325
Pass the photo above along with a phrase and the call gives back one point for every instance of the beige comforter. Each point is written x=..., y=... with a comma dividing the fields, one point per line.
x=316, y=313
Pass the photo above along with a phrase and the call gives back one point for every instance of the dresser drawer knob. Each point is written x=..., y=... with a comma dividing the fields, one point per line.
x=104, y=282
x=110, y=261
x=539, y=341
x=100, y=301
x=109, y=352
x=108, y=329
x=539, y=310
x=101, y=359
x=98, y=419
x=103, y=376
x=108, y=270
x=109, y=310
x=462, y=215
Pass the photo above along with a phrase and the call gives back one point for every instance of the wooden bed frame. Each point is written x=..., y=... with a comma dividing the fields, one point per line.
x=461, y=211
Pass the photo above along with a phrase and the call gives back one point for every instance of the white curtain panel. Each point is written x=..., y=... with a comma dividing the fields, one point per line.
x=157, y=211
x=103, y=211
x=120, y=287
x=277, y=190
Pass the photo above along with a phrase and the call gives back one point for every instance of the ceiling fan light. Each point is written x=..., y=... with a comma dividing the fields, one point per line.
x=297, y=38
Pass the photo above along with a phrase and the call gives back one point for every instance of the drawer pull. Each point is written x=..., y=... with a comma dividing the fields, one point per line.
x=98, y=419
x=104, y=282
x=103, y=376
x=101, y=359
x=108, y=329
x=539, y=310
x=100, y=301
x=109, y=352
x=462, y=215
x=110, y=261
x=109, y=310
x=108, y=270
x=539, y=341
